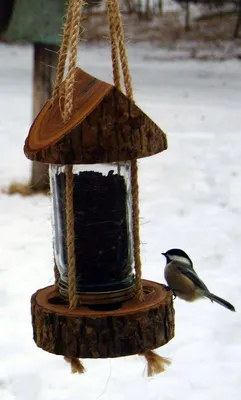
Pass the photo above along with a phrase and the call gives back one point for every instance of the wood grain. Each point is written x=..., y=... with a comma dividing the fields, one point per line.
x=105, y=127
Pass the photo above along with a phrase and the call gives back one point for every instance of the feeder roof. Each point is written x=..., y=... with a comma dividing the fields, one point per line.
x=105, y=126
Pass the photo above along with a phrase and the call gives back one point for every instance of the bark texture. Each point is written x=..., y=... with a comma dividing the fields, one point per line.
x=132, y=328
x=105, y=127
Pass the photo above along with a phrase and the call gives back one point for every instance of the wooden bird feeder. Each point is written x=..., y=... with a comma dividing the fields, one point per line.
x=91, y=135
x=105, y=132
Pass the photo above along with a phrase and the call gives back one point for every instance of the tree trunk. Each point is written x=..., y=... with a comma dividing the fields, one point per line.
x=238, y=23
x=187, y=16
x=148, y=10
x=129, y=6
x=160, y=6
x=139, y=9
x=45, y=65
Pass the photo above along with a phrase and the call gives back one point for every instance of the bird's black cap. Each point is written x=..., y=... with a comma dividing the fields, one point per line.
x=176, y=252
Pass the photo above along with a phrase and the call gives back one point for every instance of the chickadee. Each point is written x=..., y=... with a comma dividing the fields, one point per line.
x=184, y=281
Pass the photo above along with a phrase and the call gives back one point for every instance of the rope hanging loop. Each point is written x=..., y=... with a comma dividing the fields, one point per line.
x=69, y=48
x=120, y=63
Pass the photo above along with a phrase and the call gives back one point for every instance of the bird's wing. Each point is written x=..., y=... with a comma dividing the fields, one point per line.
x=191, y=274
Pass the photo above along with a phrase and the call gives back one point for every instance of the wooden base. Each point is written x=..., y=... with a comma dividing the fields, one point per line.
x=86, y=332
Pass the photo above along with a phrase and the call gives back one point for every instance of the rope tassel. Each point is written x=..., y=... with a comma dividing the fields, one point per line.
x=76, y=365
x=68, y=51
x=155, y=363
x=69, y=47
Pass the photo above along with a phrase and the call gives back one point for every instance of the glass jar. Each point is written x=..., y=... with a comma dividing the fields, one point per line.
x=102, y=229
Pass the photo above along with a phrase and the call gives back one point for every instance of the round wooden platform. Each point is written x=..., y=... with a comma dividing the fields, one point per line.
x=91, y=332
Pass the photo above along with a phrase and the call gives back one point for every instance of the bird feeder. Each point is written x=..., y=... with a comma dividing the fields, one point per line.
x=105, y=132
x=99, y=306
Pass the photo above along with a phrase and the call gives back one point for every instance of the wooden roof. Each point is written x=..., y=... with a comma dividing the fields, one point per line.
x=105, y=126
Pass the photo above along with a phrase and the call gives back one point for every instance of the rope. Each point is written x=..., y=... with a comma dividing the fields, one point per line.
x=122, y=50
x=63, y=52
x=155, y=363
x=70, y=42
x=73, y=25
x=56, y=274
x=69, y=47
x=114, y=45
x=136, y=228
x=118, y=42
x=70, y=237
x=76, y=365
x=119, y=55
x=76, y=7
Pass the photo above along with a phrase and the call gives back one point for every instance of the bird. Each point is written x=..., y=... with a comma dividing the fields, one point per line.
x=183, y=280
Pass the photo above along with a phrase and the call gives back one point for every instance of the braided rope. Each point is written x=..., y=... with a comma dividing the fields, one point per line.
x=114, y=45
x=74, y=39
x=117, y=41
x=70, y=237
x=70, y=39
x=122, y=50
x=70, y=42
x=75, y=6
x=136, y=228
x=63, y=53
x=56, y=274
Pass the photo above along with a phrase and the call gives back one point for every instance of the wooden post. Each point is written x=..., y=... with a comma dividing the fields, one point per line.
x=238, y=23
x=139, y=9
x=187, y=16
x=148, y=10
x=160, y=5
x=45, y=65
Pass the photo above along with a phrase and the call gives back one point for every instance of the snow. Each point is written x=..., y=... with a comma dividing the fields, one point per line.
x=189, y=198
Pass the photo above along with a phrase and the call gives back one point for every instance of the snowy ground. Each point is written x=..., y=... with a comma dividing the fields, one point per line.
x=190, y=198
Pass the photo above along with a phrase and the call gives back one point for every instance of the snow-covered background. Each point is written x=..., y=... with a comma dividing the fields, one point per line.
x=190, y=198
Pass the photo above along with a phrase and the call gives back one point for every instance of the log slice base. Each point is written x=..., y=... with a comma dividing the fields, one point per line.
x=101, y=332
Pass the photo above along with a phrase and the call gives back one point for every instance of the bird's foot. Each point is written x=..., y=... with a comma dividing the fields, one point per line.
x=168, y=288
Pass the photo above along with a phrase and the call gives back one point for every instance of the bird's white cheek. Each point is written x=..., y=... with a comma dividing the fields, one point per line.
x=181, y=260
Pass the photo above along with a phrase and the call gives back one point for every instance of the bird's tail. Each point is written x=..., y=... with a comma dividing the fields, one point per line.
x=219, y=300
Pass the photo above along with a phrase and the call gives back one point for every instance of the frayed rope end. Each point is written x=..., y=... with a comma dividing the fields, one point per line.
x=155, y=363
x=76, y=365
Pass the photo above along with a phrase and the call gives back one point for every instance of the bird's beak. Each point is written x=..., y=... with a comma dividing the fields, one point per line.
x=163, y=254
